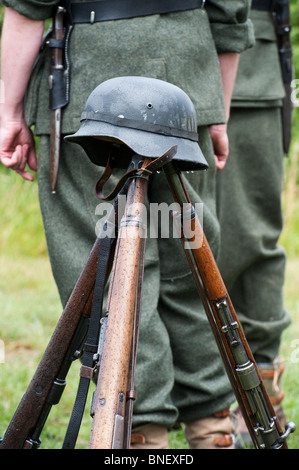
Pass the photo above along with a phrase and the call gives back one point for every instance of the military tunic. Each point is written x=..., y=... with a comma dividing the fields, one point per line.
x=249, y=195
x=179, y=371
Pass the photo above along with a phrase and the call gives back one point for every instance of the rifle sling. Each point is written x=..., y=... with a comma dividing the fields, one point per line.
x=91, y=345
x=144, y=172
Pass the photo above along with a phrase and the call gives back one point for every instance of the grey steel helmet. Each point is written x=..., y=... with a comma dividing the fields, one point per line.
x=147, y=115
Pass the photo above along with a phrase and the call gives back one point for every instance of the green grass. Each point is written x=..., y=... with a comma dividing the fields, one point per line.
x=21, y=223
x=30, y=307
x=290, y=339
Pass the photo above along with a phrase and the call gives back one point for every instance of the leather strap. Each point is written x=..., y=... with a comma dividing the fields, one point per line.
x=106, y=10
x=89, y=361
x=137, y=124
x=262, y=5
x=154, y=165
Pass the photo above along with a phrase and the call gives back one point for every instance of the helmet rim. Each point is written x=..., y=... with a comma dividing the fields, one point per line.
x=141, y=142
x=147, y=115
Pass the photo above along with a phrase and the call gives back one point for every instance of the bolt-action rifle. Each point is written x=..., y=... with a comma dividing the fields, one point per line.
x=113, y=356
x=246, y=381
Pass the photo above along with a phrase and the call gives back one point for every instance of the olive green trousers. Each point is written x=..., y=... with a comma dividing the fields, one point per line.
x=180, y=375
x=251, y=261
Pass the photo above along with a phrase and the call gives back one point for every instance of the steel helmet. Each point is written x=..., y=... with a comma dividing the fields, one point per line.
x=147, y=115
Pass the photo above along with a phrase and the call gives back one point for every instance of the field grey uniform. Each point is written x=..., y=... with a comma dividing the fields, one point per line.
x=249, y=195
x=179, y=371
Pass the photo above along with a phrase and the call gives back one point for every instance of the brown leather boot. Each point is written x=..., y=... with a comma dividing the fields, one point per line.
x=272, y=378
x=271, y=375
x=243, y=439
x=149, y=436
x=215, y=432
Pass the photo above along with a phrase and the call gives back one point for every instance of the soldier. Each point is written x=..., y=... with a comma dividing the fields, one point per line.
x=184, y=48
x=249, y=201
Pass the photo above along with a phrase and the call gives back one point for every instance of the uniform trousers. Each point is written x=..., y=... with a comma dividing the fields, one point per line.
x=251, y=261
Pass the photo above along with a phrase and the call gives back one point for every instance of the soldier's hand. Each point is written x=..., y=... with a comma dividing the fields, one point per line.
x=17, y=148
x=219, y=138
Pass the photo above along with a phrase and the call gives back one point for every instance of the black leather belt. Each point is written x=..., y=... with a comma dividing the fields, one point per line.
x=263, y=5
x=105, y=10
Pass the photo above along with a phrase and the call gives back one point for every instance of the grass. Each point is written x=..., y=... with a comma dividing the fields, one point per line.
x=30, y=307
x=21, y=224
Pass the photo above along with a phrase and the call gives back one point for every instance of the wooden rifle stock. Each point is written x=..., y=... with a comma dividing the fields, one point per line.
x=112, y=404
x=247, y=384
x=112, y=394
x=23, y=424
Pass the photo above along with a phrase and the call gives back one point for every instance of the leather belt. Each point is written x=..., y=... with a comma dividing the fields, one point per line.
x=263, y=5
x=105, y=10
